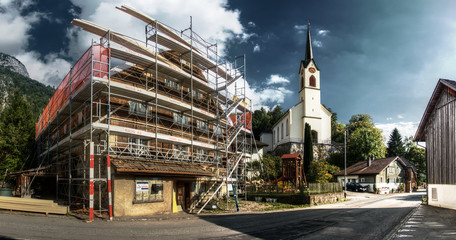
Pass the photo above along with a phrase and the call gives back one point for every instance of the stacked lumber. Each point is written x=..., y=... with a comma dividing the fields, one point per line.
x=32, y=205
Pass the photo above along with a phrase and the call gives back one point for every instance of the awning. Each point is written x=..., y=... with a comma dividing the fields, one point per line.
x=138, y=166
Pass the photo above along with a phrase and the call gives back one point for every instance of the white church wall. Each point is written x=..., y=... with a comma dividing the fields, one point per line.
x=326, y=126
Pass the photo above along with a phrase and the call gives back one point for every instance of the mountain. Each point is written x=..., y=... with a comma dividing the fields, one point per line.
x=13, y=74
x=11, y=63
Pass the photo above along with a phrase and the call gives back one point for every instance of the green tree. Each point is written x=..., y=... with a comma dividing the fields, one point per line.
x=272, y=167
x=261, y=121
x=416, y=156
x=337, y=128
x=17, y=131
x=264, y=120
x=359, y=121
x=308, y=148
x=365, y=142
x=395, y=144
x=320, y=170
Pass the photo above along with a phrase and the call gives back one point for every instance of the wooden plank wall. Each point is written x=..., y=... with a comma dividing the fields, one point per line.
x=441, y=141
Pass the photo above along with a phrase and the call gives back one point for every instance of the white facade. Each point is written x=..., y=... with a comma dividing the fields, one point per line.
x=290, y=128
x=442, y=195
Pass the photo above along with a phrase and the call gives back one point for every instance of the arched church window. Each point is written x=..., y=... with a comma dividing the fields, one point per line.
x=312, y=81
x=314, y=136
x=302, y=82
x=288, y=129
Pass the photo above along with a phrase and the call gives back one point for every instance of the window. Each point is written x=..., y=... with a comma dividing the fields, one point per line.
x=196, y=94
x=282, y=131
x=181, y=149
x=314, y=136
x=148, y=190
x=390, y=170
x=302, y=82
x=202, y=125
x=181, y=119
x=363, y=180
x=278, y=132
x=138, y=108
x=172, y=84
x=312, y=81
x=218, y=131
x=273, y=136
x=288, y=129
x=135, y=142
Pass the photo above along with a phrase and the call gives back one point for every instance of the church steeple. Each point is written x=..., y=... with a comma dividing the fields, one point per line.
x=309, y=54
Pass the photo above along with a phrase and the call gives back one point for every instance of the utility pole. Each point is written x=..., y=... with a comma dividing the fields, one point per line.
x=345, y=164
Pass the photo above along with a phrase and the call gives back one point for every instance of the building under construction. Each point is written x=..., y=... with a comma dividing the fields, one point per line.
x=167, y=129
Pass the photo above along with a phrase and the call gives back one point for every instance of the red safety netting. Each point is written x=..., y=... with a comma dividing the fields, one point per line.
x=243, y=118
x=76, y=78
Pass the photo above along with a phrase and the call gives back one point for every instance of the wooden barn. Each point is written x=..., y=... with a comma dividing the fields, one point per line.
x=438, y=129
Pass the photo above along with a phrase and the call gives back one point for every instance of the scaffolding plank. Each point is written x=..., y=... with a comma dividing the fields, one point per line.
x=171, y=70
x=159, y=136
x=144, y=95
x=185, y=54
x=149, y=20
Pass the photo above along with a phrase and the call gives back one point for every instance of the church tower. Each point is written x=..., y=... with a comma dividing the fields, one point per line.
x=309, y=85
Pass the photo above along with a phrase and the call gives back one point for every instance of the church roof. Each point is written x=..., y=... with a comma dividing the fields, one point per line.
x=308, y=57
x=309, y=54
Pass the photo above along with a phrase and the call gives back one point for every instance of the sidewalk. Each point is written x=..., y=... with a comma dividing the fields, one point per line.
x=428, y=222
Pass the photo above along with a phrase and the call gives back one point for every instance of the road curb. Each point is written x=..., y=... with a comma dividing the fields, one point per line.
x=406, y=218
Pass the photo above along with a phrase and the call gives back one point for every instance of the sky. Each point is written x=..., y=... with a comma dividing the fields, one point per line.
x=381, y=58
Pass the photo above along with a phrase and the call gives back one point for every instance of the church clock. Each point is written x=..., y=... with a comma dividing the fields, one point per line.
x=312, y=70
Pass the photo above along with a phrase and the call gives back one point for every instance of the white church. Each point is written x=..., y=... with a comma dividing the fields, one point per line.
x=287, y=134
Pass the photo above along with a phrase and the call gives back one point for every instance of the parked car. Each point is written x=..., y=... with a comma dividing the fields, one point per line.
x=352, y=186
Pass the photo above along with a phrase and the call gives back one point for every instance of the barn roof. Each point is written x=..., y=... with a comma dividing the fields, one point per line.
x=441, y=85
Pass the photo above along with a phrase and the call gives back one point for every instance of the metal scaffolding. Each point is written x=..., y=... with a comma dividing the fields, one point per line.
x=173, y=100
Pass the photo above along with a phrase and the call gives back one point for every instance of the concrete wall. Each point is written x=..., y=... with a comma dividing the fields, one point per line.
x=124, y=188
x=442, y=195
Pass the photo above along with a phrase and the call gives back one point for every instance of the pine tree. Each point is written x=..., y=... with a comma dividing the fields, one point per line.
x=395, y=144
x=16, y=133
x=308, y=148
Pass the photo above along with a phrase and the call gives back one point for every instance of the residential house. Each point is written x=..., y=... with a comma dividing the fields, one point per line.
x=383, y=173
x=438, y=129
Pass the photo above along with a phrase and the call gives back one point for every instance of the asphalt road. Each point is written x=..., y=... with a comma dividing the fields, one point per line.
x=365, y=216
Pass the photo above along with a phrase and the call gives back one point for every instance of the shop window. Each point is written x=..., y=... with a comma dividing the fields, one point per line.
x=148, y=190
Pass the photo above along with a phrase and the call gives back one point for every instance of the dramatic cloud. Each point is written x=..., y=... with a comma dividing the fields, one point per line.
x=316, y=43
x=213, y=22
x=277, y=79
x=400, y=116
x=50, y=71
x=14, y=27
x=406, y=129
x=300, y=29
x=251, y=24
x=323, y=32
x=256, y=48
